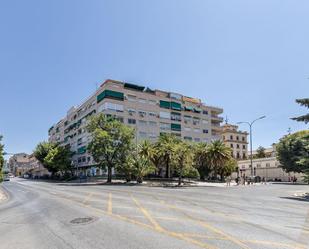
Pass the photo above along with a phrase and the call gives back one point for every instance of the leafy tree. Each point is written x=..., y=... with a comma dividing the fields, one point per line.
x=201, y=159
x=166, y=145
x=58, y=159
x=260, y=152
x=42, y=150
x=293, y=152
x=306, y=176
x=218, y=155
x=182, y=159
x=229, y=167
x=303, y=118
x=111, y=142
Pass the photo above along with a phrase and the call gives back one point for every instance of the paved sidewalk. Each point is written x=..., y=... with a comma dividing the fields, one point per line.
x=3, y=196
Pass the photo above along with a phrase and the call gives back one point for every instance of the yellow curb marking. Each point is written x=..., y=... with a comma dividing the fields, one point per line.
x=110, y=204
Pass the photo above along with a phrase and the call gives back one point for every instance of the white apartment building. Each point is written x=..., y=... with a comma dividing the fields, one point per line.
x=150, y=112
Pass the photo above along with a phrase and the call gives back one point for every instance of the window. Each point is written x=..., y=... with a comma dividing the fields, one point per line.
x=237, y=146
x=142, y=122
x=244, y=146
x=175, y=96
x=244, y=156
x=176, y=116
x=237, y=138
x=120, y=119
x=111, y=107
x=165, y=126
x=197, y=130
x=152, y=123
x=142, y=113
x=243, y=138
x=188, y=138
x=258, y=165
x=165, y=115
x=197, y=139
x=267, y=165
x=131, y=121
x=187, y=119
x=131, y=98
x=231, y=137
x=143, y=101
x=204, y=121
x=152, y=114
x=152, y=135
x=110, y=94
x=237, y=155
x=205, y=131
x=205, y=112
x=232, y=145
x=196, y=121
x=131, y=111
x=152, y=102
x=187, y=129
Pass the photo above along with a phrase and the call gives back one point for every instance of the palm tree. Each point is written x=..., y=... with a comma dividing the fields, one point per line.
x=151, y=151
x=200, y=159
x=166, y=149
x=218, y=155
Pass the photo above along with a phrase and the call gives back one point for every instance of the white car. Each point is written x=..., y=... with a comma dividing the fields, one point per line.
x=26, y=176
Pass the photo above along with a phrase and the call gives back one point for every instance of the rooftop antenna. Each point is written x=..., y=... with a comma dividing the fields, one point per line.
x=226, y=120
x=289, y=131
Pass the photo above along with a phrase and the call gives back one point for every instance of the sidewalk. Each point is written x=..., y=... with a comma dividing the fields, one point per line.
x=3, y=196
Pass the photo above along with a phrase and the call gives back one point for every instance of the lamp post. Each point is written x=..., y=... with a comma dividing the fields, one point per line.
x=250, y=126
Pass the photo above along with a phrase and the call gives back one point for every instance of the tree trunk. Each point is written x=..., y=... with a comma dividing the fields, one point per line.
x=179, y=180
x=109, y=174
x=167, y=173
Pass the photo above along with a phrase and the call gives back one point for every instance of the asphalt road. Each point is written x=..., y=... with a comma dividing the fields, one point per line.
x=41, y=215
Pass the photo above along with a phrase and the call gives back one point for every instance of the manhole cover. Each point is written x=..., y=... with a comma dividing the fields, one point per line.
x=81, y=220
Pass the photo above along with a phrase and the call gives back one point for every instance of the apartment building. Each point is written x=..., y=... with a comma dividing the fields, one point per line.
x=149, y=112
x=236, y=140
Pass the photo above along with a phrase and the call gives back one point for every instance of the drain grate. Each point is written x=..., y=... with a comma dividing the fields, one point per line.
x=84, y=220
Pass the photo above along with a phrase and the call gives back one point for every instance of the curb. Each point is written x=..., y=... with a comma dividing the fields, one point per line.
x=3, y=195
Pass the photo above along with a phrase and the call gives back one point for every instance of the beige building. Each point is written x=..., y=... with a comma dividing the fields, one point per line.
x=268, y=167
x=150, y=112
x=236, y=140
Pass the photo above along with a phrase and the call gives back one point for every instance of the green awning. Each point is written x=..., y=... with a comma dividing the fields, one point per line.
x=188, y=108
x=82, y=150
x=110, y=94
x=198, y=110
x=175, y=127
x=176, y=106
x=165, y=104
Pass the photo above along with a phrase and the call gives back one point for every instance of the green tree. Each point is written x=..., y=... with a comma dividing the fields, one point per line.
x=293, y=152
x=303, y=118
x=111, y=142
x=166, y=145
x=151, y=151
x=229, y=167
x=218, y=155
x=58, y=159
x=201, y=159
x=260, y=152
x=182, y=159
x=306, y=176
x=41, y=151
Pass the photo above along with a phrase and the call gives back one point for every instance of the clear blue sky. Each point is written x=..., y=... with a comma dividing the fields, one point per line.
x=249, y=57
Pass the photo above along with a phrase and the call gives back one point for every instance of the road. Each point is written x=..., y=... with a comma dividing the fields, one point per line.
x=41, y=215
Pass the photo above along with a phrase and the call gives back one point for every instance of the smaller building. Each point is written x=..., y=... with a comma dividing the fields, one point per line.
x=236, y=140
x=267, y=167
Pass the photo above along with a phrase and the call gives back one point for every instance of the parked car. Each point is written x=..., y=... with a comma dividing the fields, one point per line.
x=6, y=178
x=26, y=176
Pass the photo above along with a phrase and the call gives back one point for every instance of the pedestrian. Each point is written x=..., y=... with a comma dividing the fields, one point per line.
x=228, y=181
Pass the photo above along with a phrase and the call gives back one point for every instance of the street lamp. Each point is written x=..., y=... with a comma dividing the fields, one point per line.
x=250, y=126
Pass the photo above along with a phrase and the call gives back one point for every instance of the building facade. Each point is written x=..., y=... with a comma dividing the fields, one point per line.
x=236, y=140
x=150, y=112
x=267, y=167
